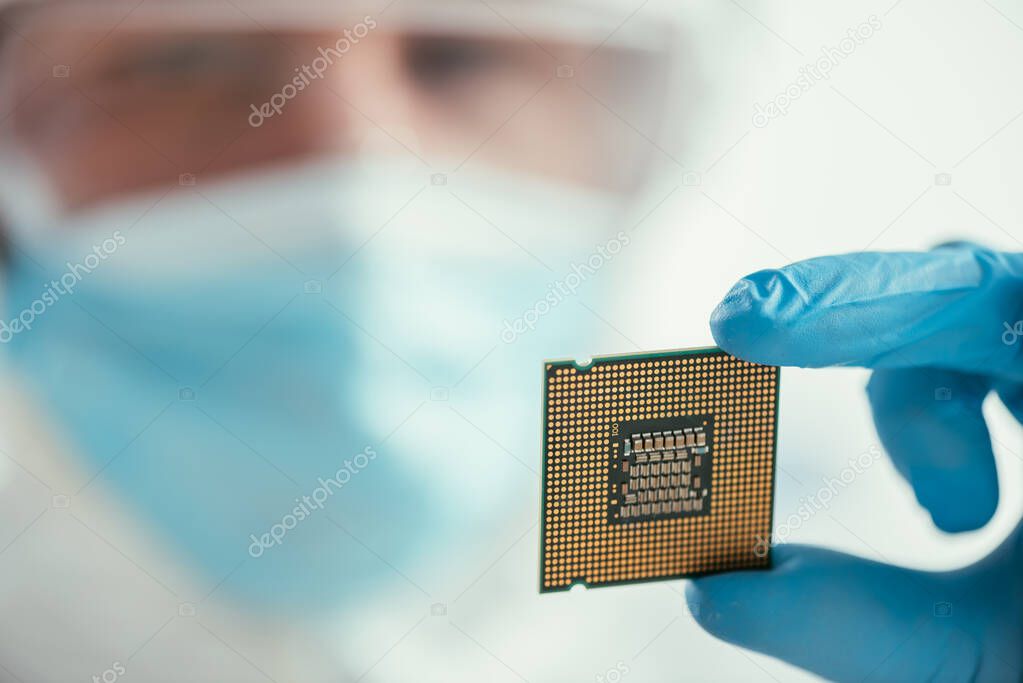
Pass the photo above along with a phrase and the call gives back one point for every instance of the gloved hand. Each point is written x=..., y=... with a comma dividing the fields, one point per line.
x=938, y=329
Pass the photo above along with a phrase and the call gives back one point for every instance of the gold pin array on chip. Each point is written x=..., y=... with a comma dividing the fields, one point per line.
x=656, y=466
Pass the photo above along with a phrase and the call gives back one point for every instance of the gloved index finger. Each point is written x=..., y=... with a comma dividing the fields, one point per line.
x=957, y=307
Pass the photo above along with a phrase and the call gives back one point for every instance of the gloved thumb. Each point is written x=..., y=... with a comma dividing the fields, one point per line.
x=842, y=617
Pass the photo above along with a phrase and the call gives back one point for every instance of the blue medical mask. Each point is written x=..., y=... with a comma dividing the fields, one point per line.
x=303, y=380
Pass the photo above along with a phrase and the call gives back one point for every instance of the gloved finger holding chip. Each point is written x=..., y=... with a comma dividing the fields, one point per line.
x=945, y=308
x=933, y=326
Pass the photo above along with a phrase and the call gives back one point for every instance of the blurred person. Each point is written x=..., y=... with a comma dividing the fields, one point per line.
x=277, y=285
x=273, y=288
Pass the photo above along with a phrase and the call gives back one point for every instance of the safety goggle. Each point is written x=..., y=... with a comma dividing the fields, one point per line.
x=175, y=86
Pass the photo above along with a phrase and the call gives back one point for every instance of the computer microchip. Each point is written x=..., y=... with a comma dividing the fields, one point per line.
x=656, y=466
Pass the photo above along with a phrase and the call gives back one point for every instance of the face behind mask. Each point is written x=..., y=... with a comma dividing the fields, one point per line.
x=310, y=381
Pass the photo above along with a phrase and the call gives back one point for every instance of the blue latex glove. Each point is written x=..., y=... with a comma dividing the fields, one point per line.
x=926, y=323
